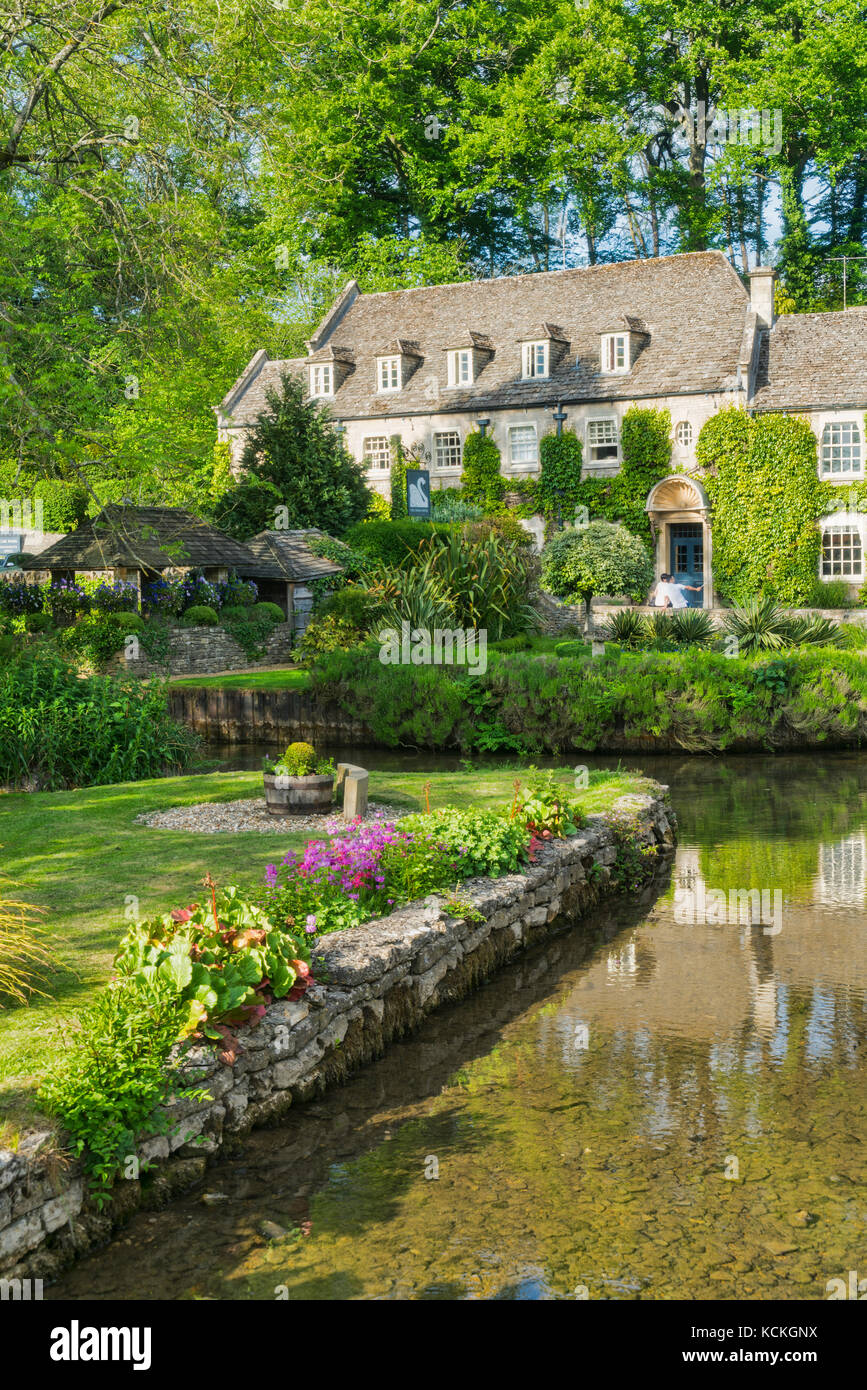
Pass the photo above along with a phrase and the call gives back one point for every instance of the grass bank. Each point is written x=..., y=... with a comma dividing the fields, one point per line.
x=81, y=857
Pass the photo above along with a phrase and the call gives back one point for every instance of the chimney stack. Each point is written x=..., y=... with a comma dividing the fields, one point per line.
x=762, y=294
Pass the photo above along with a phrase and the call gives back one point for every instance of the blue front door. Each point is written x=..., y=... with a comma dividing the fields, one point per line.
x=687, y=560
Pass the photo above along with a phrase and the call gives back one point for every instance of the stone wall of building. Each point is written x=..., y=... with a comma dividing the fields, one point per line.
x=383, y=979
x=204, y=651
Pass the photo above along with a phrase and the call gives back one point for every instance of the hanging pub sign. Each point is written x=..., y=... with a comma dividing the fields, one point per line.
x=418, y=493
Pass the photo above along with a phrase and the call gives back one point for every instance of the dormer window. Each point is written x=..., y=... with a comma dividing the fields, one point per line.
x=461, y=367
x=535, y=360
x=389, y=373
x=322, y=379
x=615, y=352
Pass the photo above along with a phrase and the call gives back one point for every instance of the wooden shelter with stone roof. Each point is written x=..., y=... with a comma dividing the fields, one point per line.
x=138, y=544
x=284, y=567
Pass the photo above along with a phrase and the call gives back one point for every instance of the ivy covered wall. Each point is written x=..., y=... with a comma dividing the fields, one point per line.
x=767, y=499
x=645, y=448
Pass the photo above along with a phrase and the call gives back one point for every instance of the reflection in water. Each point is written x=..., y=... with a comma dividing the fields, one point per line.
x=642, y=1108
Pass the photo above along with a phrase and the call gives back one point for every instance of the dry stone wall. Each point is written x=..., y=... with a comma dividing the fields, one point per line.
x=205, y=651
x=383, y=979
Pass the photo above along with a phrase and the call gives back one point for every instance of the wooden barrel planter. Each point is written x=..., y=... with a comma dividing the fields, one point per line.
x=298, y=796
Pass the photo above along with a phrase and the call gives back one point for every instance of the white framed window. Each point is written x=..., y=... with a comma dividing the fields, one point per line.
x=447, y=450
x=535, y=359
x=461, y=367
x=841, y=449
x=683, y=434
x=842, y=551
x=615, y=352
x=388, y=373
x=523, y=448
x=377, y=453
x=322, y=379
x=603, y=444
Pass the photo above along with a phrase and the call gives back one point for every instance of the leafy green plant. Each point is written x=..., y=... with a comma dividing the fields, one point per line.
x=481, y=841
x=559, y=485
x=58, y=729
x=115, y=1075
x=802, y=631
x=546, y=810
x=328, y=632
x=250, y=627
x=420, y=597
x=628, y=628
x=300, y=760
x=486, y=579
x=448, y=504
x=224, y=959
x=691, y=627
x=397, y=478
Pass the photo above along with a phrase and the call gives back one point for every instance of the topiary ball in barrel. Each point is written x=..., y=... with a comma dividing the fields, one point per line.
x=300, y=783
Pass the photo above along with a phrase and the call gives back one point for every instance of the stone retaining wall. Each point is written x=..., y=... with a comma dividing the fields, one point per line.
x=382, y=980
x=205, y=651
x=556, y=617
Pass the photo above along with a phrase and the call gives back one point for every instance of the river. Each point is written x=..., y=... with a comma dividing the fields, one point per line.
x=667, y=1102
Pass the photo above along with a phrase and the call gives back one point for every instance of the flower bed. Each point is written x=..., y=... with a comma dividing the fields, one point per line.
x=383, y=978
x=199, y=972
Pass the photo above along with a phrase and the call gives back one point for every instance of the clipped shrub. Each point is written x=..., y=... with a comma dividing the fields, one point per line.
x=127, y=622
x=395, y=543
x=481, y=479
x=355, y=604
x=272, y=611
x=520, y=643
x=572, y=648
x=200, y=615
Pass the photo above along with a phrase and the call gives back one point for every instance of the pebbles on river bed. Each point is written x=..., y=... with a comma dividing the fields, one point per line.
x=222, y=817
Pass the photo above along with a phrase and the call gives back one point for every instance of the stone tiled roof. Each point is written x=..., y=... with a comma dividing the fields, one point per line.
x=155, y=538
x=693, y=307
x=811, y=361
x=286, y=555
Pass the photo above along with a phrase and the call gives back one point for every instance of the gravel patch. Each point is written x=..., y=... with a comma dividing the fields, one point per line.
x=222, y=817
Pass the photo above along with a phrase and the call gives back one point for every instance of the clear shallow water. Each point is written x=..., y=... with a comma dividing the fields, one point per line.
x=602, y=1167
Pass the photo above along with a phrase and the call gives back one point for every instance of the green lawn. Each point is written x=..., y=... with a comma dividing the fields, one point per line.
x=293, y=678
x=80, y=856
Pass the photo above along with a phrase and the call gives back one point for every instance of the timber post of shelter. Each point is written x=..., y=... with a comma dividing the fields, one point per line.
x=355, y=782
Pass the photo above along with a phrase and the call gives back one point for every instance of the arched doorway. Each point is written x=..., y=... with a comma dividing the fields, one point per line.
x=678, y=509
